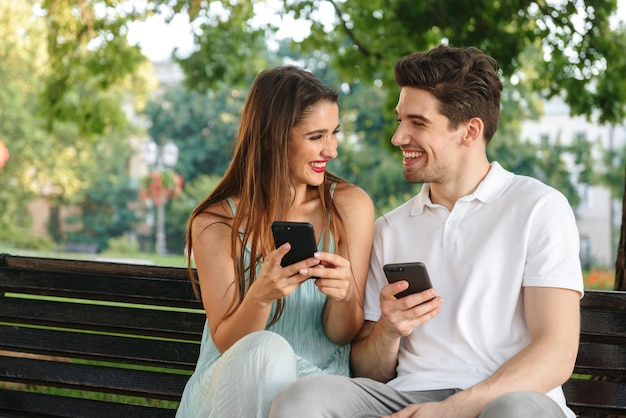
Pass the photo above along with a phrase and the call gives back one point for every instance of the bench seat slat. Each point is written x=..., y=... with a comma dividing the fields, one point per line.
x=149, y=384
x=26, y=404
x=121, y=349
x=114, y=319
x=129, y=289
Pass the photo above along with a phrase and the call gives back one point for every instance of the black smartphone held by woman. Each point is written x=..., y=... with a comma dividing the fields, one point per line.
x=415, y=273
x=300, y=235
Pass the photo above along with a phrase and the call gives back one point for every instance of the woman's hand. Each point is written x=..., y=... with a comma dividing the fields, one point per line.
x=334, y=276
x=274, y=281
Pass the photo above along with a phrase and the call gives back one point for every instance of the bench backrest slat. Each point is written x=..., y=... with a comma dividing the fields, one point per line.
x=601, y=359
x=153, y=290
x=102, y=318
x=92, y=267
x=110, y=348
x=596, y=398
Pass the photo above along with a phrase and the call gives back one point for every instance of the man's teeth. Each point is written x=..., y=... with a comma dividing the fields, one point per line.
x=412, y=154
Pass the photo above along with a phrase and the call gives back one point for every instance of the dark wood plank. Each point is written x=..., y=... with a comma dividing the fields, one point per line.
x=92, y=267
x=119, y=349
x=142, y=383
x=128, y=289
x=25, y=404
x=604, y=300
x=587, y=396
x=603, y=327
x=134, y=321
x=601, y=359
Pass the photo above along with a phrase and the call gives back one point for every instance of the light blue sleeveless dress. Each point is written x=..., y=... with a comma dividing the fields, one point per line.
x=243, y=381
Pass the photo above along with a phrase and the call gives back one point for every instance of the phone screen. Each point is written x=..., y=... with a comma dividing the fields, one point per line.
x=415, y=273
x=300, y=235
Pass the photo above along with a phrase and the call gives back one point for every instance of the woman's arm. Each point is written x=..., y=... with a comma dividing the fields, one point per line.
x=344, y=282
x=218, y=282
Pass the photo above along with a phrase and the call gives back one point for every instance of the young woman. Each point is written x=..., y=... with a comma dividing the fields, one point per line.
x=269, y=325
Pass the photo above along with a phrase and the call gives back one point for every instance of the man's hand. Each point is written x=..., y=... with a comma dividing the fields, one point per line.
x=401, y=316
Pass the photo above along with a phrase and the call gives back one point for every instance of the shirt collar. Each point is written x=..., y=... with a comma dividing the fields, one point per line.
x=489, y=189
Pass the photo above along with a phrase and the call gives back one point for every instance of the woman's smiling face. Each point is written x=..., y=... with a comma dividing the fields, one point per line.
x=313, y=143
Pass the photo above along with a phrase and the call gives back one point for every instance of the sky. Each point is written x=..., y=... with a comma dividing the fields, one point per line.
x=158, y=39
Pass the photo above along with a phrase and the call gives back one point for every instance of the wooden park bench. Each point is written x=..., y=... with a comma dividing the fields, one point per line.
x=98, y=339
x=598, y=387
x=94, y=339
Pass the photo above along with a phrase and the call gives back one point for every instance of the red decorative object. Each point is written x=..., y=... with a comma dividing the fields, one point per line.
x=159, y=186
x=4, y=154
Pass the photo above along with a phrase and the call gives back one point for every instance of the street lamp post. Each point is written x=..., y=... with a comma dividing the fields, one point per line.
x=159, y=158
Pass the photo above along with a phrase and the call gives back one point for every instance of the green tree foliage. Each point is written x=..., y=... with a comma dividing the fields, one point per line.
x=201, y=125
x=60, y=115
x=366, y=37
x=18, y=126
x=87, y=44
x=107, y=202
x=87, y=56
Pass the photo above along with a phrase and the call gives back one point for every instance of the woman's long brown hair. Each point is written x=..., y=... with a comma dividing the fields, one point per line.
x=258, y=174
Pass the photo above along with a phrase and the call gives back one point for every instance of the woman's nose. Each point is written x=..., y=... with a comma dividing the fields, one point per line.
x=330, y=148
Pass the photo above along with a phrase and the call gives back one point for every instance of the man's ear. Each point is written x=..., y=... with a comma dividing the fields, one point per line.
x=473, y=132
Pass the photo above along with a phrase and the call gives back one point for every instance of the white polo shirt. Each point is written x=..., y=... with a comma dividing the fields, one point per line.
x=513, y=231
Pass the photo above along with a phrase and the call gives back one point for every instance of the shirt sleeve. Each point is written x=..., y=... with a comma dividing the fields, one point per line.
x=553, y=247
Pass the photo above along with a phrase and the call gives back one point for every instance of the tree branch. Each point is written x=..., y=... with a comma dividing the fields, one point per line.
x=361, y=47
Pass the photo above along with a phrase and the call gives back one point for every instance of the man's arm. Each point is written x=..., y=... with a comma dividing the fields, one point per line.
x=553, y=319
x=375, y=351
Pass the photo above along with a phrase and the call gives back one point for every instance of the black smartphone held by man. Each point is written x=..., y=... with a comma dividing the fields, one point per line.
x=415, y=273
x=300, y=235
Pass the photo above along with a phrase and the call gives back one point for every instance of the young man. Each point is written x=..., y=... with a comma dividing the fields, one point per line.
x=498, y=333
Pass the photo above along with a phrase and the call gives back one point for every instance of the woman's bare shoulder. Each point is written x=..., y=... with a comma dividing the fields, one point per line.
x=351, y=194
x=216, y=214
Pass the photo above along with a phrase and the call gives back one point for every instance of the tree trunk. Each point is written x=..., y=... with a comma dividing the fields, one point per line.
x=620, y=268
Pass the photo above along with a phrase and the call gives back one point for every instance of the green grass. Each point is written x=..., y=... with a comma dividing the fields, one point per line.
x=174, y=260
